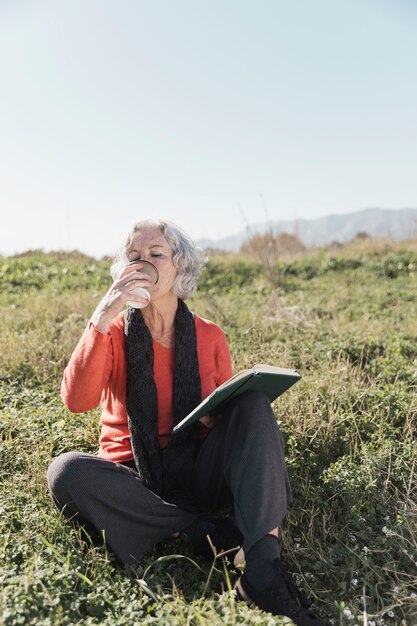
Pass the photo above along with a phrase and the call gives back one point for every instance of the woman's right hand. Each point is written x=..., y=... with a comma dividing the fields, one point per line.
x=119, y=293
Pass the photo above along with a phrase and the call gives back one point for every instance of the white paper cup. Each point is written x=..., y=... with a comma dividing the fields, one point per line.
x=148, y=268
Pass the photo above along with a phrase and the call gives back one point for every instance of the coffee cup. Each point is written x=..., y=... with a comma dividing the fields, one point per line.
x=144, y=292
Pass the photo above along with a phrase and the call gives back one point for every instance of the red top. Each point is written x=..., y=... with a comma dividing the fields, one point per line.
x=96, y=374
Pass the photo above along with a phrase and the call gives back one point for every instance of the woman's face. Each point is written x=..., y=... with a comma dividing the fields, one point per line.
x=150, y=245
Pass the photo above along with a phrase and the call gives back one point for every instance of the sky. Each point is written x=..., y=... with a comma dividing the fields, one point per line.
x=213, y=114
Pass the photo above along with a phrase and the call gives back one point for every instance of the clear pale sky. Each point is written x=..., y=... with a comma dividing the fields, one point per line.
x=115, y=110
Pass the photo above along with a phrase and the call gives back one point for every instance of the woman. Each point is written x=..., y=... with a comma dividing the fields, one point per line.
x=149, y=368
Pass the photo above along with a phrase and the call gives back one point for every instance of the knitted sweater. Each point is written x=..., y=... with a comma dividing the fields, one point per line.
x=96, y=374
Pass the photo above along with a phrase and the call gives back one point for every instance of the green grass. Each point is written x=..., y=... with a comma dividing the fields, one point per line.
x=347, y=322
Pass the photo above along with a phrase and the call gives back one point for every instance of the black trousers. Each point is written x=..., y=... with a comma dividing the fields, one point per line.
x=241, y=462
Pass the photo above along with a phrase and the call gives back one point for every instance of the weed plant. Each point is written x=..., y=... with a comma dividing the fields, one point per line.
x=347, y=322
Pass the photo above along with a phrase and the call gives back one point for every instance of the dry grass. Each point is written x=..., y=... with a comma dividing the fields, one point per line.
x=40, y=332
x=350, y=427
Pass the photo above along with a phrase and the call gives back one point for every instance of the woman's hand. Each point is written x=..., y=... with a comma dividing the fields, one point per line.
x=119, y=293
x=208, y=420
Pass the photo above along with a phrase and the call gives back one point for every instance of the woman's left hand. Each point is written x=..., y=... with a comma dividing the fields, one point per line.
x=208, y=420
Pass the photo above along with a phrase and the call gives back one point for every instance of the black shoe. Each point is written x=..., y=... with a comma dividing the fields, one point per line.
x=224, y=536
x=281, y=597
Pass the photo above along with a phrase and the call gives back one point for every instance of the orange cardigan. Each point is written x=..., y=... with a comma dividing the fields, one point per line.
x=96, y=374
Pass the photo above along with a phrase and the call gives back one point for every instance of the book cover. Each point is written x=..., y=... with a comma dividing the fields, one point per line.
x=272, y=381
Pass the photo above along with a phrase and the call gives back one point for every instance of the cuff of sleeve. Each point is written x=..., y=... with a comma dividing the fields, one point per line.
x=96, y=330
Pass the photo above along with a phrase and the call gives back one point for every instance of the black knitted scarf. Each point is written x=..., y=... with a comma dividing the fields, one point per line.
x=167, y=471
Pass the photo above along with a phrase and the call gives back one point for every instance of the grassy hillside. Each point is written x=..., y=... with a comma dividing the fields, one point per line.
x=346, y=321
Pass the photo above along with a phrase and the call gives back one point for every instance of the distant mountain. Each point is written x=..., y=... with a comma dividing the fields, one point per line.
x=397, y=224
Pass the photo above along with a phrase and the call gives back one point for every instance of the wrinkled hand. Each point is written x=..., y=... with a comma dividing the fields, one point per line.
x=121, y=291
x=208, y=420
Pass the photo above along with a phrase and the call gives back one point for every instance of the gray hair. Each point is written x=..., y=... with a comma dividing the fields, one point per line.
x=188, y=258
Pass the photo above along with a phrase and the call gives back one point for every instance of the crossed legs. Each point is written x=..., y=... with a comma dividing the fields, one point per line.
x=240, y=462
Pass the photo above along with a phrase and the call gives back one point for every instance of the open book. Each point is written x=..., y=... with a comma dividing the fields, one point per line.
x=272, y=381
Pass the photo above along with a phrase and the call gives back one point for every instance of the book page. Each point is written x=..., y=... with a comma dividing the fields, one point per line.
x=262, y=367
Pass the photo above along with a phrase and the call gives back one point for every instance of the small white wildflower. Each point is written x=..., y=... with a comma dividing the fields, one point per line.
x=395, y=589
x=365, y=550
x=354, y=582
x=371, y=622
x=352, y=538
x=297, y=546
x=348, y=613
x=413, y=595
x=391, y=613
x=386, y=518
x=385, y=530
